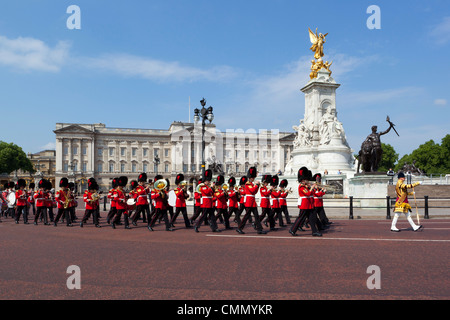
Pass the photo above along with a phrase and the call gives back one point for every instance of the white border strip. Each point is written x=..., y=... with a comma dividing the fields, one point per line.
x=325, y=238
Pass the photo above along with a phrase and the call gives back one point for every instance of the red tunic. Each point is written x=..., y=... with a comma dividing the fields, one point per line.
x=60, y=198
x=141, y=194
x=265, y=197
x=251, y=190
x=121, y=202
x=181, y=199
x=221, y=199
x=232, y=196
x=304, y=200
x=207, y=197
x=318, y=198
x=283, y=196
x=275, y=199
x=40, y=198
x=21, y=198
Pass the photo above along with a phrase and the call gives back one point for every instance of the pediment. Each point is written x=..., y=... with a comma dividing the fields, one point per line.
x=74, y=128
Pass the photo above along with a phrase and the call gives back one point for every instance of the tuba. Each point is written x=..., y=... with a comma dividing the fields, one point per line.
x=160, y=184
x=197, y=189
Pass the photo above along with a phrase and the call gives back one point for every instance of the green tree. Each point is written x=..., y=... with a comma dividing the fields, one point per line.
x=389, y=157
x=13, y=158
x=430, y=157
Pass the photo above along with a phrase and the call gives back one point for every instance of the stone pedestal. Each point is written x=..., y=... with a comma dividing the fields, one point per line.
x=373, y=186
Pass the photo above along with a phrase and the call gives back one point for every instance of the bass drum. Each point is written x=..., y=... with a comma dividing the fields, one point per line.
x=11, y=200
x=172, y=198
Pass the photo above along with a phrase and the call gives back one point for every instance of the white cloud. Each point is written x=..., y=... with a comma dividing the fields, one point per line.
x=29, y=54
x=157, y=70
x=441, y=32
x=440, y=102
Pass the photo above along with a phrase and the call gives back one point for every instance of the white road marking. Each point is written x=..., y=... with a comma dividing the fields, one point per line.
x=326, y=238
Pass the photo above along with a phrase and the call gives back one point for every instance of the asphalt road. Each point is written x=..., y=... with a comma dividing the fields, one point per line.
x=183, y=265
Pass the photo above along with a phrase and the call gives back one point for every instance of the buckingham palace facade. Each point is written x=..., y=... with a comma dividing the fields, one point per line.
x=94, y=150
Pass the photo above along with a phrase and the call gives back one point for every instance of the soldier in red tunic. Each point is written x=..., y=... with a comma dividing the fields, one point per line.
x=41, y=202
x=251, y=189
x=305, y=204
x=121, y=203
x=222, y=199
x=265, y=192
x=283, y=202
x=112, y=210
x=63, y=200
x=207, y=204
x=142, y=204
x=233, y=202
x=275, y=203
x=180, y=203
x=21, y=202
x=159, y=196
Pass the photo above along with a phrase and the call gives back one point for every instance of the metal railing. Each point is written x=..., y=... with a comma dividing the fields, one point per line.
x=422, y=203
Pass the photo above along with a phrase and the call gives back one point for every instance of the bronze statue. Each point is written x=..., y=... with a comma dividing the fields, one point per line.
x=369, y=156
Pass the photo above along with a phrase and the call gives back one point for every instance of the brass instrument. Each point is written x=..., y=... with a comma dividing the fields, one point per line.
x=197, y=189
x=160, y=184
x=95, y=196
x=67, y=199
x=225, y=187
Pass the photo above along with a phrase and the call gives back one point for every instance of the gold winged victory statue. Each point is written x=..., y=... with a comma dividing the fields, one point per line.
x=317, y=41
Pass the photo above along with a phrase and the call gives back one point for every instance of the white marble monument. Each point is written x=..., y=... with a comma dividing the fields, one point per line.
x=321, y=144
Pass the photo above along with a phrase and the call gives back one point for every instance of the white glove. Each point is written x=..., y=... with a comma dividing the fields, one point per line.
x=420, y=182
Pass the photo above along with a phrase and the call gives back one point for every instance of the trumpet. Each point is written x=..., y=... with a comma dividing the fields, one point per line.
x=225, y=187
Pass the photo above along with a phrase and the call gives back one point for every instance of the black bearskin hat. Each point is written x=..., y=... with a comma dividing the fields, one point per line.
x=302, y=174
x=142, y=177
x=64, y=182
x=122, y=181
x=283, y=183
x=32, y=185
x=179, y=178
x=232, y=181
x=134, y=184
x=208, y=175
x=274, y=181
x=115, y=182
x=252, y=172
x=42, y=183
x=243, y=180
x=220, y=180
x=158, y=177
x=21, y=183
x=317, y=178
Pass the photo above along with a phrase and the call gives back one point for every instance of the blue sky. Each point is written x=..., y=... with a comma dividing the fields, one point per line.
x=134, y=64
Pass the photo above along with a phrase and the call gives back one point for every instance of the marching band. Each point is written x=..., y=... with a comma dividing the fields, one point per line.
x=153, y=201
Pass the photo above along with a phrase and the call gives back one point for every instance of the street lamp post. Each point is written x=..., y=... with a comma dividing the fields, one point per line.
x=156, y=161
x=205, y=114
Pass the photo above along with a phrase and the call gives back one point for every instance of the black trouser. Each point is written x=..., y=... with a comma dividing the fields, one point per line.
x=207, y=213
x=87, y=215
x=270, y=216
x=145, y=209
x=234, y=210
x=160, y=213
x=50, y=213
x=322, y=216
x=304, y=214
x=111, y=214
x=284, y=210
x=197, y=211
x=41, y=212
x=248, y=212
x=19, y=211
x=66, y=213
x=116, y=218
x=226, y=217
x=239, y=212
x=11, y=212
x=185, y=216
